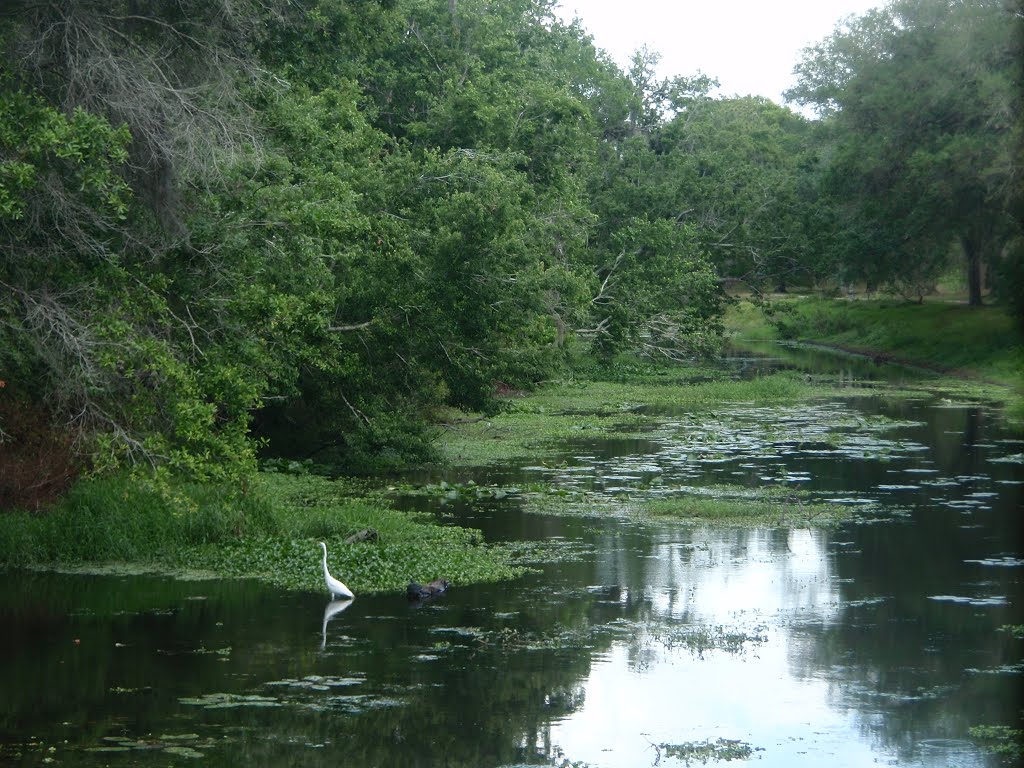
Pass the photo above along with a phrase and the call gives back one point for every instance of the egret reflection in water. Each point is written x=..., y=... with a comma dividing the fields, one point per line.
x=331, y=610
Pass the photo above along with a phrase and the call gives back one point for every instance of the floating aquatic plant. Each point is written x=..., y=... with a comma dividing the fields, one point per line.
x=1000, y=739
x=1014, y=630
x=719, y=750
x=747, y=509
x=187, y=745
x=698, y=639
x=230, y=701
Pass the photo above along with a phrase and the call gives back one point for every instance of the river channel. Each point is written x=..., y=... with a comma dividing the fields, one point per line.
x=879, y=642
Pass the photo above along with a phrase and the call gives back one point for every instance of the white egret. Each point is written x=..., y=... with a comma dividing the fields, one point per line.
x=334, y=586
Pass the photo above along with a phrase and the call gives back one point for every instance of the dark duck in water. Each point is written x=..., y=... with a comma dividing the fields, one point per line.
x=417, y=591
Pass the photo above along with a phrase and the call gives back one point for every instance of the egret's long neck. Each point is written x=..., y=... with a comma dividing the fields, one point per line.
x=326, y=572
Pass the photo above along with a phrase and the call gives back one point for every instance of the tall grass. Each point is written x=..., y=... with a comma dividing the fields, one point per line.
x=124, y=519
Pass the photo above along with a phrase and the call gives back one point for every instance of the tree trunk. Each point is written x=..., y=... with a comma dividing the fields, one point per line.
x=972, y=252
x=453, y=12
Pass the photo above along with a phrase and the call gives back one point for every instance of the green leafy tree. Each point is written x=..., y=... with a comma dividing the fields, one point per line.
x=738, y=169
x=113, y=115
x=660, y=295
x=654, y=286
x=920, y=99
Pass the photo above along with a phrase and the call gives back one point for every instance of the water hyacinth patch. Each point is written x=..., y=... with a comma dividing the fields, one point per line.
x=408, y=545
x=269, y=534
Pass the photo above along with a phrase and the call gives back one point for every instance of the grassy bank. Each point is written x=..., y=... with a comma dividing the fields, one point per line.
x=981, y=342
x=268, y=530
x=267, y=533
x=972, y=346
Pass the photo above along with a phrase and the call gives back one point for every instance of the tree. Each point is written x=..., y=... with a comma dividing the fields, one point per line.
x=736, y=167
x=920, y=99
x=451, y=231
x=113, y=116
x=660, y=296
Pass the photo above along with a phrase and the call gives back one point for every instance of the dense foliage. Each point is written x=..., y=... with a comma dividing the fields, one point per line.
x=922, y=104
x=303, y=227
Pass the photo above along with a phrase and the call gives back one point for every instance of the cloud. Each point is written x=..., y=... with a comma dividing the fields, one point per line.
x=751, y=46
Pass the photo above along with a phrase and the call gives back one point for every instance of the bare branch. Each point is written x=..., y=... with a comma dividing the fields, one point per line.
x=347, y=328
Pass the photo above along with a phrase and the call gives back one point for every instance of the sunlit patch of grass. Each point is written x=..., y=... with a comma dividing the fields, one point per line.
x=983, y=342
x=747, y=319
x=752, y=510
x=980, y=349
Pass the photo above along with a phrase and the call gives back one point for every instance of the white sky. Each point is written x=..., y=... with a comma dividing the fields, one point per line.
x=751, y=46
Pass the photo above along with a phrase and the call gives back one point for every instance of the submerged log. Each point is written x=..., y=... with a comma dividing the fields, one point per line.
x=417, y=591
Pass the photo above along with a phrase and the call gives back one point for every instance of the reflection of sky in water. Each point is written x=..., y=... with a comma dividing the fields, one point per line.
x=681, y=698
x=730, y=575
x=754, y=582
x=876, y=644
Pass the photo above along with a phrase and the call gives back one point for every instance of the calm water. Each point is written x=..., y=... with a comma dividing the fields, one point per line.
x=875, y=644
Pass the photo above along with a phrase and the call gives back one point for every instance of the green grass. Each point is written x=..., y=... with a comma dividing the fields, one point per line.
x=268, y=533
x=978, y=345
x=746, y=508
x=977, y=341
x=268, y=530
x=535, y=425
x=120, y=518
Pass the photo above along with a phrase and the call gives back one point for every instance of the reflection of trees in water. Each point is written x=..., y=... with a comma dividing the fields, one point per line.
x=146, y=662
x=487, y=700
x=905, y=678
x=913, y=666
x=491, y=695
x=493, y=700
